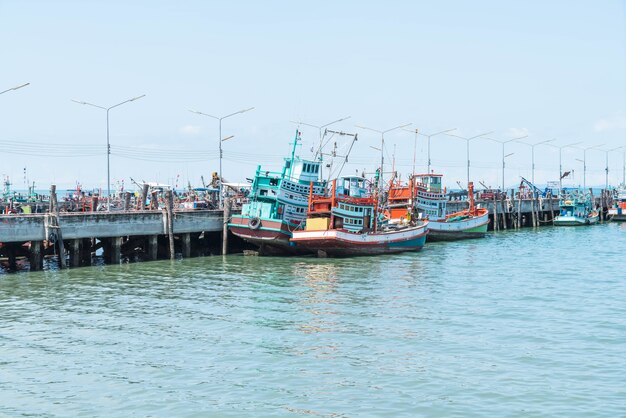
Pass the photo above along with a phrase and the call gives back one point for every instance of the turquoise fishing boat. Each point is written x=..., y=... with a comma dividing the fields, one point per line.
x=576, y=209
x=278, y=205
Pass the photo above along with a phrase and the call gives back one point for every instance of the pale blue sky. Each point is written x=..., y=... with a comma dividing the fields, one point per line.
x=552, y=69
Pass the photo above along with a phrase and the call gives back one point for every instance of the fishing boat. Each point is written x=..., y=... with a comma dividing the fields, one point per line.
x=429, y=201
x=349, y=223
x=576, y=209
x=618, y=211
x=277, y=205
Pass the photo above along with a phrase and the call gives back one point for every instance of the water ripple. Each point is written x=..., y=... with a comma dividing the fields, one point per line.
x=529, y=323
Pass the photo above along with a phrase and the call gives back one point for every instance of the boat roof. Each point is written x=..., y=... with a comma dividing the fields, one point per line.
x=429, y=175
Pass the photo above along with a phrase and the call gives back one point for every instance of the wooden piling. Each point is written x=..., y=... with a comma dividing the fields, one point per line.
x=502, y=203
x=74, y=247
x=533, y=215
x=115, y=250
x=12, y=257
x=153, y=247
x=495, y=213
x=144, y=197
x=225, y=226
x=169, y=207
x=186, y=241
x=127, y=201
x=519, y=210
x=35, y=257
x=54, y=206
x=602, y=194
x=86, y=246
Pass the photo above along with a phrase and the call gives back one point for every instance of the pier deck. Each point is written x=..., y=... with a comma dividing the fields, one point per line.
x=78, y=225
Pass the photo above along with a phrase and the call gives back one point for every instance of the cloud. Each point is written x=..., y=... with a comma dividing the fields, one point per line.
x=517, y=132
x=190, y=130
x=614, y=122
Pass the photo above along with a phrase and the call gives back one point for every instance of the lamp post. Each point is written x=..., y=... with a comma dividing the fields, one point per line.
x=416, y=131
x=532, y=152
x=431, y=135
x=382, y=150
x=318, y=153
x=467, y=140
x=606, y=169
x=560, y=148
x=221, y=140
x=504, y=156
x=15, y=88
x=624, y=167
x=585, y=163
x=108, y=109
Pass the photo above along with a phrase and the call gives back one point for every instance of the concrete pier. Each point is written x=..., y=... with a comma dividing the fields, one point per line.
x=119, y=234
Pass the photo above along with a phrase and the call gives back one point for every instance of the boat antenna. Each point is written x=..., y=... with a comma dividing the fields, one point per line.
x=345, y=157
x=318, y=153
x=293, y=151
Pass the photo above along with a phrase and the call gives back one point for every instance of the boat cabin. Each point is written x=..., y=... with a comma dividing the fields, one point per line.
x=431, y=200
x=573, y=206
x=350, y=207
x=352, y=186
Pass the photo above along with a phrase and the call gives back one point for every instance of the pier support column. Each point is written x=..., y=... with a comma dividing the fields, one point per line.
x=85, y=252
x=112, y=250
x=116, y=250
x=35, y=257
x=12, y=257
x=74, y=245
x=186, y=239
x=153, y=247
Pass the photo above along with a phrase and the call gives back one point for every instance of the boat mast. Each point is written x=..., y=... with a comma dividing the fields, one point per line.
x=293, y=152
x=470, y=196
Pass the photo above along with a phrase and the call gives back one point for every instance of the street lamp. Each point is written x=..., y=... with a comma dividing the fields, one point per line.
x=431, y=135
x=624, y=167
x=414, y=145
x=560, y=161
x=606, y=179
x=504, y=156
x=467, y=140
x=585, y=164
x=108, y=144
x=221, y=140
x=382, y=148
x=15, y=88
x=532, y=151
x=319, y=128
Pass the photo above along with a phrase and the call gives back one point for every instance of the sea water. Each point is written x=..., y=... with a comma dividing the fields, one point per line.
x=520, y=323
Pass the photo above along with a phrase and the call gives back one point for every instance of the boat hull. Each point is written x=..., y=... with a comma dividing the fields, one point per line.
x=341, y=243
x=451, y=231
x=271, y=237
x=618, y=215
x=561, y=220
